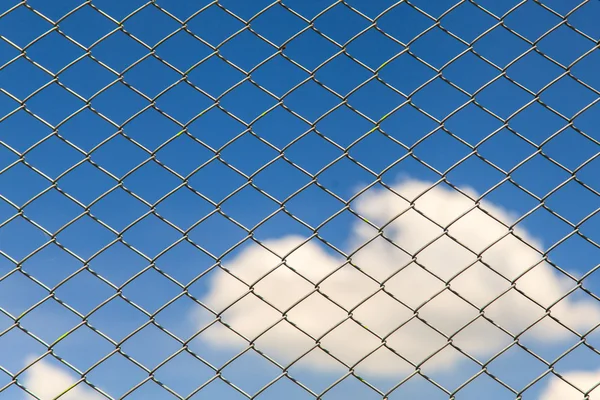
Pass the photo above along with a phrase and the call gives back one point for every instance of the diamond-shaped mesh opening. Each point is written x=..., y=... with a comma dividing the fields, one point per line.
x=288, y=24
x=75, y=341
x=118, y=263
x=321, y=49
x=62, y=321
x=86, y=25
x=51, y=265
x=24, y=24
x=235, y=154
x=183, y=384
x=170, y=102
x=135, y=290
x=388, y=99
x=151, y=36
x=42, y=159
x=312, y=101
x=517, y=382
x=577, y=99
x=233, y=50
x=20, y=67
x=343, y=127
x=130, y=51
x=118, y=375
x=429, y=98
x=119, y=112
x=373, y=48
x=299, y=199
x=150, y=346
x=64, y=104
x=151, y=77
x=97, y=292
x=565, y=55
x=21, y=238
x=214, y=24
x=130, y=318
x=55, y=52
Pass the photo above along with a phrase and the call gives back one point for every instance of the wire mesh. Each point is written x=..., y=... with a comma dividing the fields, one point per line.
x=299, y=199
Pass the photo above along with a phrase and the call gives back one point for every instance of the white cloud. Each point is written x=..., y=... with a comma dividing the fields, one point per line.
x=47, y=382
x=580, y=382
x=414, y=285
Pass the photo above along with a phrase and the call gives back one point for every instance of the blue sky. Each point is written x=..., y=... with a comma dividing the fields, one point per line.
x=219, y=151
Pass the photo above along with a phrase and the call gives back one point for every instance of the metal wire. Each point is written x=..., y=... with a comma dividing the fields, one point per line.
x=372, y=23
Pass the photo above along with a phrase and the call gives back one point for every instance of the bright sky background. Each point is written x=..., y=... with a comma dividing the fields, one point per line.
x=229, y=152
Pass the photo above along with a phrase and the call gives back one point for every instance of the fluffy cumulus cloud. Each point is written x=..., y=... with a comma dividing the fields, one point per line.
x=574, y=386
x=411, y=284
x=48, y=381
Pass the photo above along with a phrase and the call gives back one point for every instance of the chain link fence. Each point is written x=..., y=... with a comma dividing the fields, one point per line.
x=299, y=199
